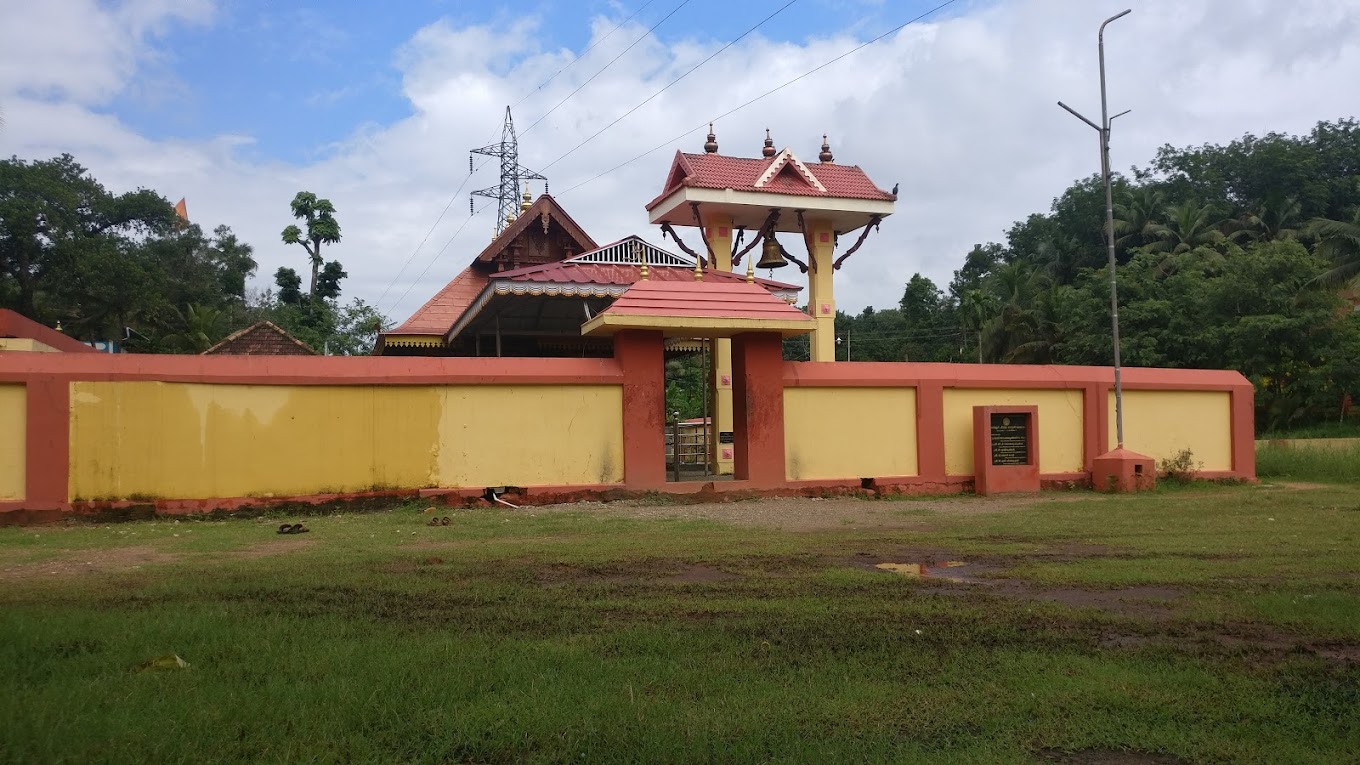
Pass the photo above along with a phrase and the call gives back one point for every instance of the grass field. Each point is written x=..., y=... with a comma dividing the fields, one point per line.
x=1200, y=625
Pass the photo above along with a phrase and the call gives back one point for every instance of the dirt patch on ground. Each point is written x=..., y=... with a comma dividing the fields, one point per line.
x=815, y=513
x=88, y=562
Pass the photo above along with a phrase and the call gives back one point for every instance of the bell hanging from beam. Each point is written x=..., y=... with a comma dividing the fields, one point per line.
x=771, y=254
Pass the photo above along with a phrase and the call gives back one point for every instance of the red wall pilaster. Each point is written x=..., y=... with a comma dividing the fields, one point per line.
x=930, y=431
x=1094, y=427
x=1243, y=398
x=758, y=408
x=48, y=442
x=641, y=355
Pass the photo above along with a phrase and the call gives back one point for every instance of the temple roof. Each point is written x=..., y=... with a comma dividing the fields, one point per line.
x=544, y=210
x=441, y=311
x=699, y=309
x=783, y=173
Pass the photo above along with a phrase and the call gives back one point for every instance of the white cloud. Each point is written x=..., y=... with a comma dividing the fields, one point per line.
x=962, y=113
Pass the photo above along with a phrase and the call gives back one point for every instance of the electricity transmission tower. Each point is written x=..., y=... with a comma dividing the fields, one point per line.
x=513, y=174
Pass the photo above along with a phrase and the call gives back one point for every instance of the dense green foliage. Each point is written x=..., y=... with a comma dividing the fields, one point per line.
x=126, y=268
x=1245, y=256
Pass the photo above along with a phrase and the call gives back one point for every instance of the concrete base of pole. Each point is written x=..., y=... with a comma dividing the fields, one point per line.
x=1123, y=471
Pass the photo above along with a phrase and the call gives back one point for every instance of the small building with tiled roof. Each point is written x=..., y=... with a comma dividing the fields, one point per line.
x=263, y=338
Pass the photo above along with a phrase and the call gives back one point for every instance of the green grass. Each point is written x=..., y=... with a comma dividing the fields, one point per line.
x=1347, y=429
x=1298, y=463
x=511, y=636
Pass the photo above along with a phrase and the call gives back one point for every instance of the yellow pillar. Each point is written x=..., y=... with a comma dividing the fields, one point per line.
x=719, y=229
x=821, y=295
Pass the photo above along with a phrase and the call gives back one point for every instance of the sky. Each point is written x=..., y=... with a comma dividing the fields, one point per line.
x=236, y=105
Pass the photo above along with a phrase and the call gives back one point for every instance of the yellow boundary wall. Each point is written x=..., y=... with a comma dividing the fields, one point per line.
x=133, y=440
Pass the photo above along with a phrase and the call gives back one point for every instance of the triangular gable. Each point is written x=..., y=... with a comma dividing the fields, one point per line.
x=261, y=338
x=786, y=165
x=680, y=170
x=543, y=212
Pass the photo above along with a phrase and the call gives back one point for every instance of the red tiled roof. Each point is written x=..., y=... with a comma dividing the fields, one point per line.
x=715, y=171
x=533, y=216
x=703, y=300
x=441, y=311
x=609, y=273
x=263, y=338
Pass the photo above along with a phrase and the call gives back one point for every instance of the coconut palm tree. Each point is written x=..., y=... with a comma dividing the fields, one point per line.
x=1188, y=226
x=201, y=328
x=1339, y=242
x=976, y=307
x=1272, y=220
x=1140, y=210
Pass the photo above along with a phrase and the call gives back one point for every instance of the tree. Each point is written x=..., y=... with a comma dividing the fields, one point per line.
x=200, y=328
x=322, y=228
x=1338, y=242
x=1188, y=226
x=1142, y=208
x=289, y=284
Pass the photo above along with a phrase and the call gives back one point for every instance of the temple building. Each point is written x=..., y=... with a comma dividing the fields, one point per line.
x=544, y=287
x=530, y=290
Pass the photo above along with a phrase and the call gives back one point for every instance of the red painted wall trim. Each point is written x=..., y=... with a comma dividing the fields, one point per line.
x=758, y=409
x=48, y=442
x=873, y=374
x=15, y=325
x=311, y=370
x=641, y=355
x=1093, y=405
x=930, y=431
x=1244, y=431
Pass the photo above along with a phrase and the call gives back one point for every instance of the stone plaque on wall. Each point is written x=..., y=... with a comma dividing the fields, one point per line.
x=1010, y=438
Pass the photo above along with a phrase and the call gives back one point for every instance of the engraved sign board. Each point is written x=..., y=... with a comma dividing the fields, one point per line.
x=1010, y=438
x=725, y=437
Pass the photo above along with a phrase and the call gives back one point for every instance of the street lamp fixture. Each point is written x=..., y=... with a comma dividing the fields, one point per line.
x=1104, y=130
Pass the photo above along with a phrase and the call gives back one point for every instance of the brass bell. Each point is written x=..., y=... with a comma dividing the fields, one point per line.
x=771, y=254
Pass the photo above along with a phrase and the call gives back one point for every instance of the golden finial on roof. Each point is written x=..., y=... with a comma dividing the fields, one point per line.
x=750, y=270
x=711, y=146
x=640, y=253
x=528, y=200
x=698, y=269
x=825, y=156
x=768, y=151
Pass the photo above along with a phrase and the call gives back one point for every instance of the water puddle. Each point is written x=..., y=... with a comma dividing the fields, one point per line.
x=949, y=570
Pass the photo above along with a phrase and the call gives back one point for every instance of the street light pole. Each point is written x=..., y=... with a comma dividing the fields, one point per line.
x=1104, y=130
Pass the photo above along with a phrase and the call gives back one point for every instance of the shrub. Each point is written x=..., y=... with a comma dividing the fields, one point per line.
x=1182, y=468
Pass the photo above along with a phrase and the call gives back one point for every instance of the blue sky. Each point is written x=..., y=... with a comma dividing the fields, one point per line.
x=299, y=77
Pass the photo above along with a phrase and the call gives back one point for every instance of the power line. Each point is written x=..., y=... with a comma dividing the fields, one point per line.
x=764, y=95
x=668, y=85
x=592, y=77
x=583, y=53
x=435, y=259
x=461, y=186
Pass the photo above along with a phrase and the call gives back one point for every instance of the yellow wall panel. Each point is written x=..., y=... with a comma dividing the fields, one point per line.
x=1160, y=424
x=175, y=440
x=849, y=433
x=1060, y=426
x=13, y=440
x=25, y=344
x=531, y=435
